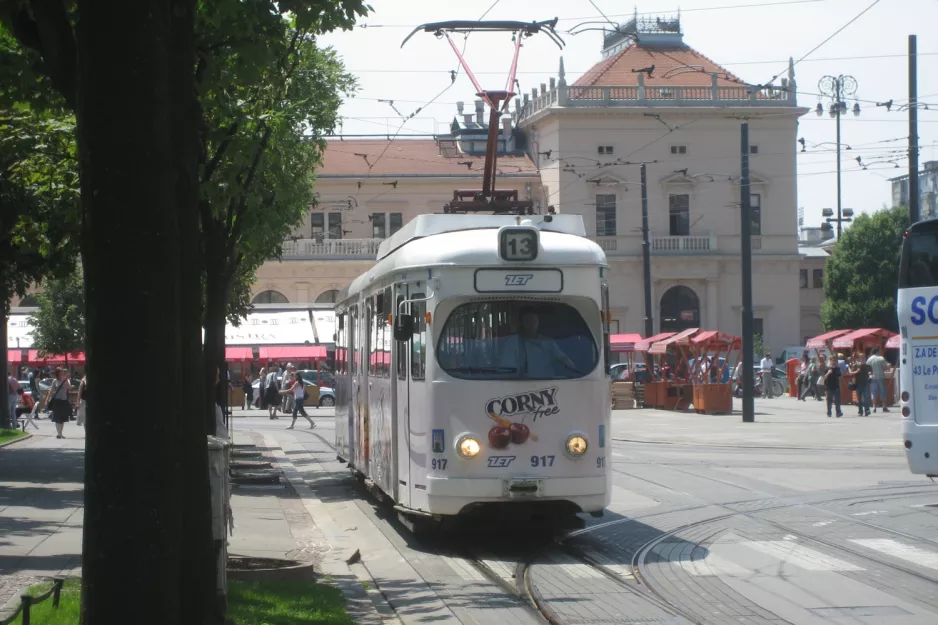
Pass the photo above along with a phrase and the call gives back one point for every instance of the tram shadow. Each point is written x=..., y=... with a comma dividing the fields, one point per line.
x=620, y=540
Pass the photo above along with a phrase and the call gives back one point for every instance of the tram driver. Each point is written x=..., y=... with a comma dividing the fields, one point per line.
x=533, y=354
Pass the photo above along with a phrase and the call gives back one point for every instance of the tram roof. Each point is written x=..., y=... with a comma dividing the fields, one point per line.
x=467, y=240
x=428, y=225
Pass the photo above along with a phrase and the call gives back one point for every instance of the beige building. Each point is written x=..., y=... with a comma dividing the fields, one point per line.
x=577, y=148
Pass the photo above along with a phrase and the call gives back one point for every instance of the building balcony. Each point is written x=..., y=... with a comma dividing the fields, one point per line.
x=334, y=249
x=660, y=244
x=641, y=96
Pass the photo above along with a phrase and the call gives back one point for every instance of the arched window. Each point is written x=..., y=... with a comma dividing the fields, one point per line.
x=680, y=309
x=29, y=301
x=270, y=297
x=328, y=297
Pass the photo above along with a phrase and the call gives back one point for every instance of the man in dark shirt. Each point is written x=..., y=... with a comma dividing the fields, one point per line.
x=861, y=378
x=832, y=384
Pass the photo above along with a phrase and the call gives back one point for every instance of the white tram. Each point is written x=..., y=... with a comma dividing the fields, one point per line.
x=470, y=369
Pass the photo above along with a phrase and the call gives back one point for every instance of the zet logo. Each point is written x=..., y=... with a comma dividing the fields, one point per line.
x=500, y=462
x=922, y=308
x=518, y=279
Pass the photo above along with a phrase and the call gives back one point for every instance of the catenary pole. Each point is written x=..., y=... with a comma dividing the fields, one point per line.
x=749, y=409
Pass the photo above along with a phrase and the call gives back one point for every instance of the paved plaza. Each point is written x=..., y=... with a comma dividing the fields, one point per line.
x=796, y=518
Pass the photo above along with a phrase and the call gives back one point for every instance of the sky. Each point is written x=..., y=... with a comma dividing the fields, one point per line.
x=751, y=38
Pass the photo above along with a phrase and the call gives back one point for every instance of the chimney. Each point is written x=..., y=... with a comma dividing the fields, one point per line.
x=930, y=165
x=506, y=127
x=480, y=112
x=459, y=107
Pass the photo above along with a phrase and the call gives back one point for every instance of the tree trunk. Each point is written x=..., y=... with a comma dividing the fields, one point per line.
x=197, y=577
x=216, y=308
x=131, y=552
x=6, y=419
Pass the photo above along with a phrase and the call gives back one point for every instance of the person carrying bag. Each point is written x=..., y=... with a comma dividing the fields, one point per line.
x=59, y=403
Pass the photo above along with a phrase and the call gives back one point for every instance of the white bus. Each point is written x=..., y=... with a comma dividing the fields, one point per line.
x=471, y=370
x=917, y=309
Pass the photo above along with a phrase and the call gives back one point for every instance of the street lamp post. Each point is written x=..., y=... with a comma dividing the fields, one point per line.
x=838, y=88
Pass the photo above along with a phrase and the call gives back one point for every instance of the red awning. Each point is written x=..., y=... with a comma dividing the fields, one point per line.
x=14, y=355
x=661, y=347
x=624, y=342
x=643, y=345
x=75, y=358
x=847, y=341
x=299, y=352
x=237, y=354
x=381, y=358
x=893, y=342
x=821, y=340
x=715, y=338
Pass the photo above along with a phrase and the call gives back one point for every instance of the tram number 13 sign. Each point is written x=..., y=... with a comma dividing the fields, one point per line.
x=517, y=244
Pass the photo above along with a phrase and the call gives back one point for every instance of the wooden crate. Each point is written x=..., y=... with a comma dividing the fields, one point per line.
x=623, y=396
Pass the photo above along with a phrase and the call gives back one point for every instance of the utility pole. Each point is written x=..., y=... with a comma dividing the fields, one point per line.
x=914, y=213
x=838, y=88
x=745, y=228
x=646, y=259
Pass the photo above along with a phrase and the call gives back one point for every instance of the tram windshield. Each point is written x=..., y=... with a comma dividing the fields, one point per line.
x=517, y=340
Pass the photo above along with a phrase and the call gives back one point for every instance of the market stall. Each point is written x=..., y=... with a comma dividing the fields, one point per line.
x=822, y=343
x=861, y=343
x=623, y=388
x=679, y=389
x=651, y=393
x=239, y=359
x=712, y=351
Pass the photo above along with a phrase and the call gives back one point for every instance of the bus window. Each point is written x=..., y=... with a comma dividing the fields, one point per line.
x=517, y=340
x=918, y=265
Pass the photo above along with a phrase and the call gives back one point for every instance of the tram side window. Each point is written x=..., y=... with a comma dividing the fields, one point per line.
x=418, y=350
x=386, y=336
x=372, y=339
x=356, y=339
x=919, y=262
x=401, y=345
x=341, y=344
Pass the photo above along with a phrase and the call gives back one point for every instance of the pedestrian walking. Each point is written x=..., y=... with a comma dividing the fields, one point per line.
x=12, y=386
x=804, y=379
x=767, y=365
x=298, y=391
x=878, y=366
x=287, y=405
x=861, y=384
x=832, y=384
x=59, y=402
x=248, y=390
x=272, y=394
x=82, y=397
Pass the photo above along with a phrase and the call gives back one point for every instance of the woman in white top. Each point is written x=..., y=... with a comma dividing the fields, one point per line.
x=299, y=396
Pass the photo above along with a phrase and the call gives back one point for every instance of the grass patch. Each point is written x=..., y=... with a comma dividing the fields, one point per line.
x=286, y=603
x=69, y=606
x=9, y=435
x=249, y=603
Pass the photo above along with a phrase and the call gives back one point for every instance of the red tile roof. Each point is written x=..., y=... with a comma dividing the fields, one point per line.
x=409, y=156
x=678, y=64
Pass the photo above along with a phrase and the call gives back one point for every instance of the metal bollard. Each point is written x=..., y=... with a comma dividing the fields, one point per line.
x=27, y=602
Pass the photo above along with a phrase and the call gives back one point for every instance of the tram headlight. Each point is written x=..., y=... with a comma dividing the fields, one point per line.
x=468, y=447
x=576, y=445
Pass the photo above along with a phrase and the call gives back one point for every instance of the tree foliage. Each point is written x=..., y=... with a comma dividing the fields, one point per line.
x=59, y=323
x=268, y=94
x=860, y=275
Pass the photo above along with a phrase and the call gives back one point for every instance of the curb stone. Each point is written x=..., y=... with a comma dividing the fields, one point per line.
x=16, y=440
x=366, y=603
